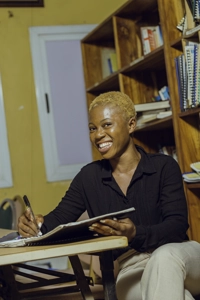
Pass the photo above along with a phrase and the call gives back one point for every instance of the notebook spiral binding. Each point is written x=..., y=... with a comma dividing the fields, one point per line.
x=63, y=241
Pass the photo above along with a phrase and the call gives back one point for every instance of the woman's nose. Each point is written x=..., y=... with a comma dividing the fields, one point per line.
x=100, y=132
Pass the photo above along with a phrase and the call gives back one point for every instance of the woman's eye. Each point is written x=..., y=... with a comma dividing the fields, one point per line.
x=107, y=125
x=91, y=129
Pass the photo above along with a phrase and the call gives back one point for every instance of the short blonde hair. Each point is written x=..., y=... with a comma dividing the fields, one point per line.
x=117, y=99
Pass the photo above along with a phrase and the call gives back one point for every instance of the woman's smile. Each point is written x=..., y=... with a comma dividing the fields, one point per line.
x=104, y=147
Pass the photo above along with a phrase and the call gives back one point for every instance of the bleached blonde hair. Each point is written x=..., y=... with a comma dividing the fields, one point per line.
x=117, y=99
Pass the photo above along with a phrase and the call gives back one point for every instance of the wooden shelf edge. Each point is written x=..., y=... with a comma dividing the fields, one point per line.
x=189, y=112
x=108, y=81
x=163, y=123
x=177, y=44
x=142, y=62
x=193, y=185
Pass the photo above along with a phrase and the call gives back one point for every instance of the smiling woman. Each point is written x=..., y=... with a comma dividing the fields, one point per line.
x=22, y=3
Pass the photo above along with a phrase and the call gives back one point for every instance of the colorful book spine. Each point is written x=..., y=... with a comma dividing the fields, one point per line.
x=178, y=82
x=196, y=10
x=189, y=57
x=195, y=76
x=198, y=78
x=182, y=80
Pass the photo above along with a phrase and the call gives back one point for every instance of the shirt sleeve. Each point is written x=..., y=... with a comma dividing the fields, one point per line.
x=174, y=216
x=69, y=209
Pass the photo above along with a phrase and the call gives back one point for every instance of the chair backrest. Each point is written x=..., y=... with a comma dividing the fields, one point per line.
x=10, y=210
x=7, y=214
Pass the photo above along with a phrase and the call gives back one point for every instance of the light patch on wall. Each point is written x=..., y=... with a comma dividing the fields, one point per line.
x=5, y=166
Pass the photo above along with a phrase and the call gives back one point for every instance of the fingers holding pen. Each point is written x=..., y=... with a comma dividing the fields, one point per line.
x=27, y=227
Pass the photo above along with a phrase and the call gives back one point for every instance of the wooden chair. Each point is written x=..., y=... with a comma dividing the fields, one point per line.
x=10, y=210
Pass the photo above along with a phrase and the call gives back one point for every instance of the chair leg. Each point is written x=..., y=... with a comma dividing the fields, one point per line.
x=8, y=287
x=107, y=268
x=80, y=278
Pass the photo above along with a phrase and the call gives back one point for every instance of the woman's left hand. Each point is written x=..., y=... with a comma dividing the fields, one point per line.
x=124, y=227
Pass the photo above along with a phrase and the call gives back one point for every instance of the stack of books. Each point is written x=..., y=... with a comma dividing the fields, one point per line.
x=192, y=177
x=188, y=76
x=151, y=111
x=192, y=19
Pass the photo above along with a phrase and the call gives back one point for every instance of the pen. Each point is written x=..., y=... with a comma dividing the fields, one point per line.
x=28, y=205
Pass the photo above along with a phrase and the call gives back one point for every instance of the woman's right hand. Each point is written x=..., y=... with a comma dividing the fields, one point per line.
x=26, y=225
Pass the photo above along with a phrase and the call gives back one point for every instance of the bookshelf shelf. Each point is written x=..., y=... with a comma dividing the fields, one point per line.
x=142, y=76
x=190, y=112
x=109, y=83
x=156, y=125
x=177, y=44
x=134, y=8
x=193, y=185
x=153, y=60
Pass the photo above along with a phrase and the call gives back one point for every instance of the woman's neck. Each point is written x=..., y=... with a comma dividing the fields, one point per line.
x=127, y=163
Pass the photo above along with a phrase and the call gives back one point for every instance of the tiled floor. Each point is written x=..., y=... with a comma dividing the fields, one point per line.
x=97, y=292
x=97, y=289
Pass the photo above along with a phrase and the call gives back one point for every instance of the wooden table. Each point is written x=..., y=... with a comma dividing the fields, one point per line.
x=103, y=246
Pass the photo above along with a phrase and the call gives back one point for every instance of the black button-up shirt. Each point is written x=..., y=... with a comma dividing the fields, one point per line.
x=156, y=192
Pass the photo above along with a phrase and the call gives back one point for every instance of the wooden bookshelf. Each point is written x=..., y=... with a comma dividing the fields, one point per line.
x=141, y=76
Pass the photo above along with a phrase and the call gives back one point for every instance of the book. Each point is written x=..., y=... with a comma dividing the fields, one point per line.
x=108, y=61
x=151, y=38
x=112, y=61
x=196, y=79
x=197, y=95
x=192, y=57
x=191, y=177
x=181, y=75
x=196, y=13
x=147, y=119
x=65, y=233
x=164, y=114
x=189, y=58
x=192, y=31
x=196, y=167
x=181, y=25
x=152, y=106
x=145, y=40
x=195, y=73
x=164, y=93
x=152, y=115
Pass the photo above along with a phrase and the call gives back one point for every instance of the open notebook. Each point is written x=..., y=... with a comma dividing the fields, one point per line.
x=65, y=233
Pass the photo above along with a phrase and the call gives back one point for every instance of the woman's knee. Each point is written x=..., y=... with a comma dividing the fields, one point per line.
x=167, y=255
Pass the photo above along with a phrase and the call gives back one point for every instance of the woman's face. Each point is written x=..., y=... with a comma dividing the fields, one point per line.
x=109, y=131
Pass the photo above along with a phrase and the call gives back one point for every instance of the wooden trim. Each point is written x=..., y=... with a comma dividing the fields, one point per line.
x=21, y=3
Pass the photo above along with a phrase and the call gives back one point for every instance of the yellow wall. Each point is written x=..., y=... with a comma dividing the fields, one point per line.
x=16, y=71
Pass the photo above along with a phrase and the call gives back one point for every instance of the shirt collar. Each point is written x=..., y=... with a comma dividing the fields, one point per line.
x=145, y=165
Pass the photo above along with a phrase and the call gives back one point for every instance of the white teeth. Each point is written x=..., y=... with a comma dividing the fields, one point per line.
x=104, y=145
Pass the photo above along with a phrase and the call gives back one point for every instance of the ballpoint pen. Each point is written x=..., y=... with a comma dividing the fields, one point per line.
x=28, y=205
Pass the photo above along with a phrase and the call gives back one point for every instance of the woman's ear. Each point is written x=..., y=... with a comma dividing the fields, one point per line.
x=132, y=124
